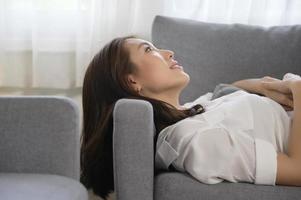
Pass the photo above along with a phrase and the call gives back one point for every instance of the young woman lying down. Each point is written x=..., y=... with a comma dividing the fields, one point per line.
x=252, y=134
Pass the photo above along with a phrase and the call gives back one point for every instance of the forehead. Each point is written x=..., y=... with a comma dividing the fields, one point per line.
x=133, y=43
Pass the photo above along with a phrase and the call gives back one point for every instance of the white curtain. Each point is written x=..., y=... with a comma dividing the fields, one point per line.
x=48, y=44
x=253, y=12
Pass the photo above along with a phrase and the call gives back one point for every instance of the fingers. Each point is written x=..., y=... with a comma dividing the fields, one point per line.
x=279, y=90
x=286, y=101
x=281, y=98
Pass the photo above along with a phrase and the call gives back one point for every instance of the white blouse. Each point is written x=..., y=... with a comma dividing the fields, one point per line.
x=236, y=139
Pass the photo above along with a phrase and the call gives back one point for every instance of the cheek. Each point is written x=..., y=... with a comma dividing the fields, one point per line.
x=155, y=74
x=156, y=79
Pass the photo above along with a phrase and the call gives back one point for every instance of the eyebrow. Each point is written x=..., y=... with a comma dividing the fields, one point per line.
x=143, y=43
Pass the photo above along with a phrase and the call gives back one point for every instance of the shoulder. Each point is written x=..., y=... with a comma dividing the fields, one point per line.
x=183, y=127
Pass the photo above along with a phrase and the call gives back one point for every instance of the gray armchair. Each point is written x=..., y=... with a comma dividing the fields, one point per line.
x=210, y=54
x=39, y=149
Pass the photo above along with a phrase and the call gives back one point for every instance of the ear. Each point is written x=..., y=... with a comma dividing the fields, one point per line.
x=134, y=83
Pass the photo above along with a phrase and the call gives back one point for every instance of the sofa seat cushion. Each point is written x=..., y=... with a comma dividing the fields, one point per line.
x=179, y=186
x=23, y=186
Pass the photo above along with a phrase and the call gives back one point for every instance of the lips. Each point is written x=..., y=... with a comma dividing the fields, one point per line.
x=175, y=65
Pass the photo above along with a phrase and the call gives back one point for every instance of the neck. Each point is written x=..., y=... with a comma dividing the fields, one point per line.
x=171, y=98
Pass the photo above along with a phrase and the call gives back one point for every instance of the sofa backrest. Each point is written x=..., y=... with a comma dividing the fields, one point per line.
x=223, y=53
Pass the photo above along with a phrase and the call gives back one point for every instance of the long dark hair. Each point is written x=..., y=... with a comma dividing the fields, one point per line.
x=104, y=83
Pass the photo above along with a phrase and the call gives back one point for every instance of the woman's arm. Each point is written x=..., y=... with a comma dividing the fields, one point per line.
x=256, y=86
x=251, y=85
x=289, y=165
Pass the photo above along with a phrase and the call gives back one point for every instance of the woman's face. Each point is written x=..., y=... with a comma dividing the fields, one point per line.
x=157, y=72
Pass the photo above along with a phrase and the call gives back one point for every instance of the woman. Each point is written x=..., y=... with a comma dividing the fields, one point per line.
x=129, y=67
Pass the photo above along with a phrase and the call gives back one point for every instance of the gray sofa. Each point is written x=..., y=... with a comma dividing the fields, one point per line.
x=210, y=54
x=39, y=149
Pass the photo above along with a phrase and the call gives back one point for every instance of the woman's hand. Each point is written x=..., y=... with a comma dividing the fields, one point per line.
x=278, y=90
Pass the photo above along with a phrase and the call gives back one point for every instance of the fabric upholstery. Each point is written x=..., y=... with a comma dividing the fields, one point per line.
x=223, y=89
x=40, y=149
x=177, y=186
x=39, y=135
x=21, y=186
x=133, y=149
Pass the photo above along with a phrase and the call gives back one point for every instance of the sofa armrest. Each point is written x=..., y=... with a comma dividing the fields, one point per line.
x=133, y=149
x=39, y=134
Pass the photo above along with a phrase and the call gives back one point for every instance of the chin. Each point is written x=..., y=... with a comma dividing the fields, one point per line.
x=186, y=80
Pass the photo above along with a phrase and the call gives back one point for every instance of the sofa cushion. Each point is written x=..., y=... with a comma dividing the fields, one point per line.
x=223, y=89
x=40, y=134
x=15, y=186
x=179, y=186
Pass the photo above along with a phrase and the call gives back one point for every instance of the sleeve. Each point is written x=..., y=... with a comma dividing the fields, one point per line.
x=214, y=155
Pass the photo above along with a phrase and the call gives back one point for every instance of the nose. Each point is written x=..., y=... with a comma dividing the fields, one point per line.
x=168, y=54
